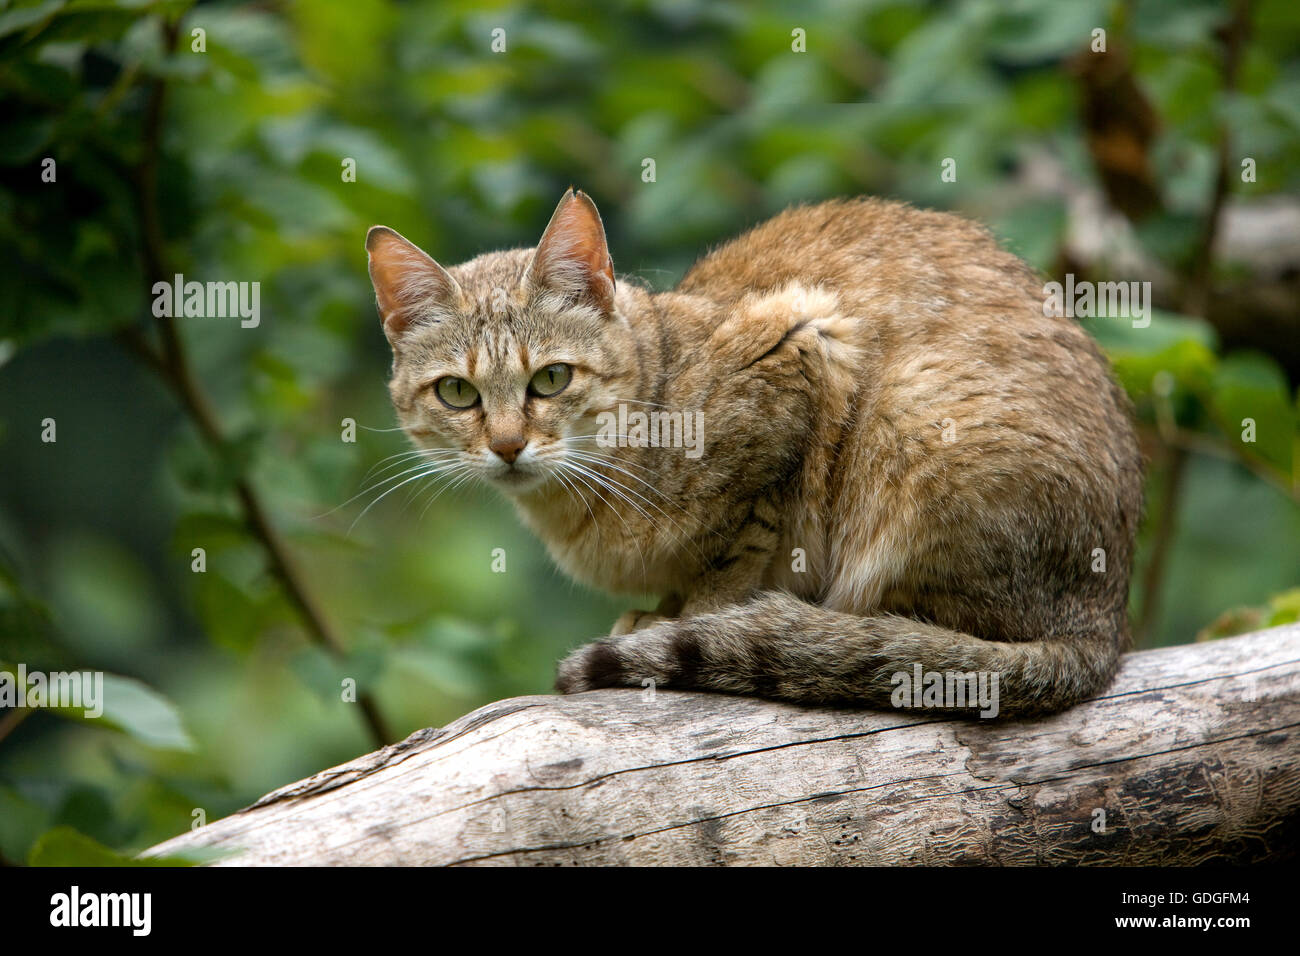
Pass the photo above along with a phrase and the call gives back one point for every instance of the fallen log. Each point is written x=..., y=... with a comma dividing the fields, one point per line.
x=1192, y=756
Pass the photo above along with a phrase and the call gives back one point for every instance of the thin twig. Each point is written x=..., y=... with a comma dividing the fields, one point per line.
x=9, y=723
x=1175, y=437
x=172, y=363
x=1200, y=274
x=1197, y=287
x=1166, y=521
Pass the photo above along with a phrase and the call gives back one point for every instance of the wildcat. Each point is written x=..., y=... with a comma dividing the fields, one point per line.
x=904, y=461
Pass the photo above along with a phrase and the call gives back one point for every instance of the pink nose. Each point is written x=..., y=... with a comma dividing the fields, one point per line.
x=508, y=449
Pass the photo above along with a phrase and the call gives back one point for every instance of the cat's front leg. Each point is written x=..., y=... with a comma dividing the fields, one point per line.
x=636, y=659
x=634, y=620
x=731, y=577
x=677, y=653
x=646, y=646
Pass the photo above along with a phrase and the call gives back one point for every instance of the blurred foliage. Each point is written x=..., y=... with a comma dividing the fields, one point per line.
x=464, y=149
x=1281, y=609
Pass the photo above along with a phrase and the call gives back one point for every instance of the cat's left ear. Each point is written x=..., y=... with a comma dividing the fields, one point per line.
x=572, y=257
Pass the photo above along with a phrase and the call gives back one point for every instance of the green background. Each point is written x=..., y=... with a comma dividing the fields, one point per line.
x=226, y=165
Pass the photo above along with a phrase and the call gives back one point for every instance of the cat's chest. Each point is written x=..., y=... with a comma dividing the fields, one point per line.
x=620, y=552
x=802, y=562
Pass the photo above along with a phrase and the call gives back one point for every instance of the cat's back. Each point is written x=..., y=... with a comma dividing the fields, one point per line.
x=862, y=248
x=961, y=382
x=934, y=302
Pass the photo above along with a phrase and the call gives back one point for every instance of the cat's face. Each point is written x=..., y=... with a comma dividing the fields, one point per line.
x=502, y=364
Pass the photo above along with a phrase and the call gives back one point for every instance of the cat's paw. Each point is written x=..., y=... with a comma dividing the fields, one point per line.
x=629, y=661
x=589, y=667
x=634, y=620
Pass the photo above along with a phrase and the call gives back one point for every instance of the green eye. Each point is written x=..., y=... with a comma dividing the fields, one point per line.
x=551, y=380
x=456, y=392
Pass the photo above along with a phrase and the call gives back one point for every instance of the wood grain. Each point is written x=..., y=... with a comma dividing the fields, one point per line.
x=1192, y=756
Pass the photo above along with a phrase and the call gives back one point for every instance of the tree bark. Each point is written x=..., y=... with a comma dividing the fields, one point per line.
x=1192, y=756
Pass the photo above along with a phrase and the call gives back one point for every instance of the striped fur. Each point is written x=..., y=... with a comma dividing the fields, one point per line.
x=905, y=462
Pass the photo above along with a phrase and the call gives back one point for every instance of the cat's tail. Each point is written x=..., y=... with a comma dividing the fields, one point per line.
x=779, y=647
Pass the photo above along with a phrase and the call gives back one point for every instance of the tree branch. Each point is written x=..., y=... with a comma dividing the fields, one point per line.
x=1200, y=275
x=1166, y=522
x=9, y=723
x=1189, y=757
x=172, y=363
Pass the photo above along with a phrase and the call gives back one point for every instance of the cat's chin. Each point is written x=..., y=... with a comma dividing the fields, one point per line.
x=518, y=483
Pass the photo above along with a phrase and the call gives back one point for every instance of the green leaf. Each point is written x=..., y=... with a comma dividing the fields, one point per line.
x=232, y=618
x=19, y=819
x=323, y=673
x=1119, y=336
x=1284, y=608
x=11, y=21
x=64, y=846
x=1175, y=345
x=456, y=656
x=1251, y=402
x=140, y=713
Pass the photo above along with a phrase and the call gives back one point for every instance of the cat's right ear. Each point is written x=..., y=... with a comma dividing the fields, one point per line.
x=406, y=280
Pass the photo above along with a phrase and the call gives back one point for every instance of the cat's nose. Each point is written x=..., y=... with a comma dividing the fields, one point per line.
x=508, y=449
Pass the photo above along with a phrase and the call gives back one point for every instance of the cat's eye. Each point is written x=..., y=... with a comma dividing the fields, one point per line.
x=551, y=380
x=456, y=392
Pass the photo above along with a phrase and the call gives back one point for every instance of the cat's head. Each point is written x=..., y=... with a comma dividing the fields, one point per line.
x=505, y=361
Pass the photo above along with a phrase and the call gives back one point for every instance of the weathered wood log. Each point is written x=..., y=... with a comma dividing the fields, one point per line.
x=1192, y=756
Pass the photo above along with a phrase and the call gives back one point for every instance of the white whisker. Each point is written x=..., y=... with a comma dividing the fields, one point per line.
x=578, y=473
x=431, y=471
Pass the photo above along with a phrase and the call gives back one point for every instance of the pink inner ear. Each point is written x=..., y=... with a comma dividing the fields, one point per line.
x=573, y=255
x=405, y=278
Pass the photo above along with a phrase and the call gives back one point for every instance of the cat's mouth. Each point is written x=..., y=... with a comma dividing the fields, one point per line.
x=527, y=472
x=516, y=480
